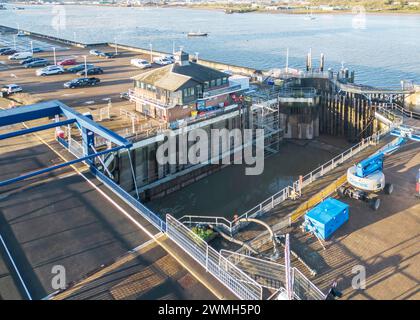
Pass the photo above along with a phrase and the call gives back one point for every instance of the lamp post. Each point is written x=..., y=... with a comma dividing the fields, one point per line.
x=116, y=46
x=32, y=47
x=14, y=42
x=84, y=57
x=55, y=58
x=151, y=52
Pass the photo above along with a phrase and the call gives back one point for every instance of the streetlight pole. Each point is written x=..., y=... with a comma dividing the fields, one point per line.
x=151, y=53
x=116, y=46
x=85, y=67
x=32, y=47
x=55, y=58
x=14, y=42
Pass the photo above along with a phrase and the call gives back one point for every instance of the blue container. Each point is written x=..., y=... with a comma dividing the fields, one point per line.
x=327, y=217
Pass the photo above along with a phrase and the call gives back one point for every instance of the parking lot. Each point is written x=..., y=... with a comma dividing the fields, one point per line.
x=114, y=80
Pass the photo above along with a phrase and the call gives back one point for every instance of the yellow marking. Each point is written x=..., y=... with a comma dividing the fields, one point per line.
x=318, y=198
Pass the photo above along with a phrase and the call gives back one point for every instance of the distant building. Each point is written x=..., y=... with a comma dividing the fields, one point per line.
x=179, y=90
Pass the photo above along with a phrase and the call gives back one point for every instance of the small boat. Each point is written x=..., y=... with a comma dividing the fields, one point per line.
x=310, y=16
x=197, y=34
x=21, y=34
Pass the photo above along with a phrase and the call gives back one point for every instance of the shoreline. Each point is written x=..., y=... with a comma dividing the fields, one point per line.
x=222, y=9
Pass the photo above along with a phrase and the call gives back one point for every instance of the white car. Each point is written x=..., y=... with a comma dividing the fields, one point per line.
x=140, y=63
x=50, y=70
x=21, y=56
x=163, y=61
x=11, y=88
x=94, y=52
x=170, y=58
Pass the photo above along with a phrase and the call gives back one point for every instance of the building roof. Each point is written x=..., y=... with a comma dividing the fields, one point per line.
x=176, y=77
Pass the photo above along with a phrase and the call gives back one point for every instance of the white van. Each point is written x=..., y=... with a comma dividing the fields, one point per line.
x=20, y=56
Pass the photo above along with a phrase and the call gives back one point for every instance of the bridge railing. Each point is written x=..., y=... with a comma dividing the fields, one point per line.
x=272, y=275
x=238, y=282
x=403, y=111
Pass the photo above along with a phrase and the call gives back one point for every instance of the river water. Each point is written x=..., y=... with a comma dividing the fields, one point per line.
x=386, y=51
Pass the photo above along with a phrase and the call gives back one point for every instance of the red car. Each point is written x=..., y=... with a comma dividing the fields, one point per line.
x=67, y=62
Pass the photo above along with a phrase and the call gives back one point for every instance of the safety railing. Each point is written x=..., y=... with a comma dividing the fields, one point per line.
x=304, y=288
x=239, y=283
x=272, y=275
x=146, y=213
x=75, y=147
x=403, y=111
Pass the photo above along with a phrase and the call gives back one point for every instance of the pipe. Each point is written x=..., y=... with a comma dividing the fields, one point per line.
x=231, y=239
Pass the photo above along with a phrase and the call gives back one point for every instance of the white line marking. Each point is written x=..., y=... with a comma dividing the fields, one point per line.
x=16, y=269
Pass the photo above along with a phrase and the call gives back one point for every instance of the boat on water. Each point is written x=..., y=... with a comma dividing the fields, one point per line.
x=310, y=16
x=197, y=34
x=21, y=34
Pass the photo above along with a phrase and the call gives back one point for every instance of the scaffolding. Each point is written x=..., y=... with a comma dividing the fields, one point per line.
x=266, y=116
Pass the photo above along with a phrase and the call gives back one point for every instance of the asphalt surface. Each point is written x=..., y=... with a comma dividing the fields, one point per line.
x=59, y=220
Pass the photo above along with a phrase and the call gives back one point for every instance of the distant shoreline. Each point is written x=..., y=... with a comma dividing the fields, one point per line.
x=222, y=9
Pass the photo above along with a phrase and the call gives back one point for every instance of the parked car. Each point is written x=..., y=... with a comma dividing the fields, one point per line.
x=170, y=58
x=20, y=55
x=28, y=60
x=140, y=63
x=8, y=52
x=91, y=71
x=94, y=52
x=79, y=67
x=50, y=70
x=37, y=50
x=11, y=88
x=125, y=96
x=81, y=82
x=5, y=49
x=67, y=62
x=37, y=63
x=161, y=61
x=106, y=55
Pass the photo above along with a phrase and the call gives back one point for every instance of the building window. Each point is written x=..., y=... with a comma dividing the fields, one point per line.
x=206, y=85
x=219, y=82
x=213, y=83
x=188, y=92
x=224, y=80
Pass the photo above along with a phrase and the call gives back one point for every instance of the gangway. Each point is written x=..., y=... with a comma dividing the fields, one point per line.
x=57, y=110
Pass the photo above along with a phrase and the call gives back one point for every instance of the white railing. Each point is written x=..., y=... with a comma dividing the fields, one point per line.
x=137, y=97
x=272, y=275
x=238, y=282
x=403, y=111
x=75, y=147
